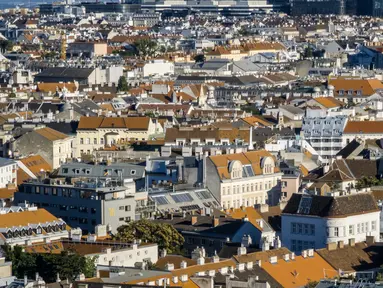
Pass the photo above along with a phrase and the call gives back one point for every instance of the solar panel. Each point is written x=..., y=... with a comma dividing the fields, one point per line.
x=183, y=197
x=161, y=200
x=203, y=195
x=305, y=205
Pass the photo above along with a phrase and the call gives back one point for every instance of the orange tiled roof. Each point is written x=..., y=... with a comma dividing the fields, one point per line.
x=363, y=127
x=133, y=123
x=26, y=217
x=252, y=158
x=249, y=212
x=53, y=87
x=35, y=164
x=366, y=86
x=329, y=102
x=51, y=134
x=257, y=121
x=7, y=193
x=298, y=272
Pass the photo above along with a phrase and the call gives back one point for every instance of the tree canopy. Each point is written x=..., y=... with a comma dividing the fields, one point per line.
x=68, y=264
x=5, y=45
x=165, y=235
x=199, y=58
x=146, y=47
x=122, y=84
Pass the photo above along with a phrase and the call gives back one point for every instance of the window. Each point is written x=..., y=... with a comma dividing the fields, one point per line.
x=95, y=141
x=127, y=208
x=336, y=232
x=65, y=170
x=312, y=229
x=121, y=208
x=299, y=228
x=121, y=219
x=293, y=228
x=87, y=141
x=54, y=191
x=358, y=228
x=81, y=140
x=373, y=225
x=93, y=210
x=127, y=218
x=351, y=230
x=102, y=141
x=306, y=229
x=37, y=190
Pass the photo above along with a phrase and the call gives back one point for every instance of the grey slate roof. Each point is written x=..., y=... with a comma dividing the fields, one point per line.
x=87, y=170
x=328, y=206
x=64, y=72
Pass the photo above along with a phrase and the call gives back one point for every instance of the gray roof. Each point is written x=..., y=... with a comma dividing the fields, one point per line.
x=64, y=72
x=102, y=171
x=184, y=200
x=292, y=109
x=323, y=126
x=328, y=206
x=6, y=162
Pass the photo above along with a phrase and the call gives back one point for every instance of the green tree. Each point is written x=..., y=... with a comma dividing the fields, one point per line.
x=199, y=58
x=12, y=95
x=122, y=84
x=5, y=45
x=146, y=47
x=165, y=235
x=69, y=264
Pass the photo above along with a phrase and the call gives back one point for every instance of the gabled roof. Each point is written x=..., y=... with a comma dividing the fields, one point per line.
x=51, y=134
x=333, y=207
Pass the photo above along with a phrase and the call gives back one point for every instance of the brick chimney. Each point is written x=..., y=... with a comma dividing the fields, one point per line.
x=340, y=244
x=194, y=220
x=351, y=242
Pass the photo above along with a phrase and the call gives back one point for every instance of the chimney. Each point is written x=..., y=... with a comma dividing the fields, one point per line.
x=169, y=266
x=183, y=264
x=304, y=253
x=331, y=246
x=163, y=253
x=215, y=222
x=201, y=261
x=194, y=220
x=242, y=250
x=340, y=244
x=351, y=242
x=370, y=240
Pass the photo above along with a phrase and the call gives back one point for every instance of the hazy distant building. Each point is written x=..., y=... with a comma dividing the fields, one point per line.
x=338, y=7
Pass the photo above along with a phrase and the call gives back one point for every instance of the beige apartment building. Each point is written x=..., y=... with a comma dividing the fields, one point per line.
x=95, y=132
x=243, y=179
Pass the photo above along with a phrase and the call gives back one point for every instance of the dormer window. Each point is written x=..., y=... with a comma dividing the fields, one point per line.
x=359, y=92
x=340, y=92
x=350, y=92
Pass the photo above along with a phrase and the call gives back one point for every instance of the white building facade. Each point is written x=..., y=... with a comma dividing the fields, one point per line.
x=324, y=134
x=319, y=227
